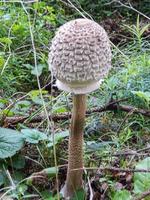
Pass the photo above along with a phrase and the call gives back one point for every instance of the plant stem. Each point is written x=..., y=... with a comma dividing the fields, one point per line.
x=75, y=160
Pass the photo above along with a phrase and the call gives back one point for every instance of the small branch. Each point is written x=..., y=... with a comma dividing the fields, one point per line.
x=46, y=172
x=129, y=6
x=111, y=169
x=111, y=106
x=132, y=8
x=124, y=120
x=115, y=169
x=144, y=149
x=143, y=195
x=136, y=110
x=26, y=2
x=131, y=153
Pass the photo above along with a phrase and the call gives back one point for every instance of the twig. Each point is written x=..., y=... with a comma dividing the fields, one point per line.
x=71, y=5
x=112, y=169
x=115, y=169
x=138, y=152
x=132, y=8
x=11, y=1
x=76, y=9
x=136, y=110
x=124, y=120
x=89, y=184
x=144, y=149
x=112, y=106
x=129, y=6
x=143, y=195
x=5, y=64
x=131, y=153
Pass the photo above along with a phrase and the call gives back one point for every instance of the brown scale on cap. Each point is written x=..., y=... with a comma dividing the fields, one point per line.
x=80, y=56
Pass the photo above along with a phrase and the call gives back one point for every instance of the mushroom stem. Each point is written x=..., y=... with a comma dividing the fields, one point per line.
x=75, y=160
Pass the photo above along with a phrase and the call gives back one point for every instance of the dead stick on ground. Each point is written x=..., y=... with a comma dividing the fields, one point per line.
x=100, y=169
x=143, y=195
x=144, y=149
x=130, y=154
x=115, y=169
x=112, y=106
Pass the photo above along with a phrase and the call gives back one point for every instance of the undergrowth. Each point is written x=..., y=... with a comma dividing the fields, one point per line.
x=113, y=138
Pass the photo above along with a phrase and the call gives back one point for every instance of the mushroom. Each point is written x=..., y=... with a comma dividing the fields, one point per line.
x=79, y=58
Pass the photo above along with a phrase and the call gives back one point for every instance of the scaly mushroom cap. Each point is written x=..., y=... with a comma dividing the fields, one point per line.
x=80, y=56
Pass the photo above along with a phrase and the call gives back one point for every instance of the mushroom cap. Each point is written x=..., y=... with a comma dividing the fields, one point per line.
x=80, y=56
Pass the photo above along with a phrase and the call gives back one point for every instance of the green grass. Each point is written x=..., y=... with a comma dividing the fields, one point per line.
x=105, y=133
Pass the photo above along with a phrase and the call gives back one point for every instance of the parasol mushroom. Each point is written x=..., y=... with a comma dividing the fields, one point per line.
x=79, y=58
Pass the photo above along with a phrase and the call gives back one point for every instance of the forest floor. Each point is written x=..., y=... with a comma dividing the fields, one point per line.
x=117, y=129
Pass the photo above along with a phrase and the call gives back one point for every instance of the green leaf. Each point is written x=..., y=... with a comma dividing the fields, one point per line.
x=33, y=135
x=1, y=105
x=37, y=100
x=96, y=146
x=17, y=176
x=11, y=141
x=47, y=195
x=138, y=24
x=112, y=83
x=28, y=66
x=122, y=195
x=18, y=162
x=35, y=96
x=6, y=40
x=51, y=171
x=2, y=62
x=2, y=178
x=58, y=137
x=80, y=194
x=142, y=180
x=35, y=93
x=8, y=112
x=22, y=188
x=18, y=28
x=145, y=28
x=23, y=103
x=4, y=101
x=21, y=107
x=38, y=71
x=143, y=95
x=7, y=17
x=61, y=109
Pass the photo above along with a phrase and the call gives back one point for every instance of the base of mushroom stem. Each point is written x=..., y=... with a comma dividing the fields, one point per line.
x=65, y=194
